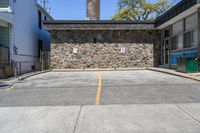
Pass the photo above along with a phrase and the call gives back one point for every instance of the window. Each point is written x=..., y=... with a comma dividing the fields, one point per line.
x=191, y=34
x=191, y=22
x=174, y=43
x=4, y=36
x=177, y=42
x=177, y=28
x=4, y=56
x=39, y=20
x=194, y=38
x=180, y=41
x=166, y=33
x=188, y=40
x=4, y=3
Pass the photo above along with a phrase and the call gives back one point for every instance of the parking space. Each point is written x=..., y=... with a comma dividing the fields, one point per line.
x=52, y=89
x=147, y=87
x=117, y=87
x=129, y=101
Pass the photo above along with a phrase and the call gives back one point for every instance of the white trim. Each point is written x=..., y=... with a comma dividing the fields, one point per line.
x=4, y=24
x=60, y=28
x=183, y=52
x=8, y=9
x=6, y=20
x=184, y=48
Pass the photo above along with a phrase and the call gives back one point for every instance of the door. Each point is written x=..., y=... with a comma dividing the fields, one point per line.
x=165, y=52
x=40, y=48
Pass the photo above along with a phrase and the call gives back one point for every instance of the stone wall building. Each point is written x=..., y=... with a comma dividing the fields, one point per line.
x=97, y=43
x=92, y=46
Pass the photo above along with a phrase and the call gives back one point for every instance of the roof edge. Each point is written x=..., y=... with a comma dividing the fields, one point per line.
x=174, y=11
x=98, y=22
x=43, y=10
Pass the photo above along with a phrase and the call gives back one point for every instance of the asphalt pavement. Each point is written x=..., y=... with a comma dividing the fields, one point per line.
x=101, y=102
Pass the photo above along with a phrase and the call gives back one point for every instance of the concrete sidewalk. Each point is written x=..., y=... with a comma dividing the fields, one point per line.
x=194, y=76
x=154, y=118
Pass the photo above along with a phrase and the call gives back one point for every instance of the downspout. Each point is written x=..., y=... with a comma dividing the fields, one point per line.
x=198, y=31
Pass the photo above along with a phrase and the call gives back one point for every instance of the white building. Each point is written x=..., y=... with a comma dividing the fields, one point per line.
x=22, y=37
x=180, y=28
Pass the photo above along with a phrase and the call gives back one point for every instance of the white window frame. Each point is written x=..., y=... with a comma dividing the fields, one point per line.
x=194, y=29
x=9, y=8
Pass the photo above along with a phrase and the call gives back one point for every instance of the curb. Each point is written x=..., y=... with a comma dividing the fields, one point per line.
x=33, y=74
x=175, y=74
x=12, y=81
x=90, y=70
x=4, y=84
x=131, y=69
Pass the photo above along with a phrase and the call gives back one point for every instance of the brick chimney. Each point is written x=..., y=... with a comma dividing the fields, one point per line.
x=93, y=9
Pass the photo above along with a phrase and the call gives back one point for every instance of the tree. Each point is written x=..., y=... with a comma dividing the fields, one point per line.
x=141, y=9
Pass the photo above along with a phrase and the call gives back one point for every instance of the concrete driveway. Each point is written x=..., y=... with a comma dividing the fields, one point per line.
x=101, y=102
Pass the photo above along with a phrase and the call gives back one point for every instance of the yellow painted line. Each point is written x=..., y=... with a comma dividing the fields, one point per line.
x=9, y=88
x=98, y=96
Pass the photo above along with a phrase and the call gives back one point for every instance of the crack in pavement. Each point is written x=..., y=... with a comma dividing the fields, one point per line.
x=74, y=130
x=189, y=114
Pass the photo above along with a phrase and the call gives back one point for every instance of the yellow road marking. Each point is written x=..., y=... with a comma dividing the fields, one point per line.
x=98, y=96
x=9, y=88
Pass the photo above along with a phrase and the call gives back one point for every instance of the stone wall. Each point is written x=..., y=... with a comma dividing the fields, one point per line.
x=104, y=49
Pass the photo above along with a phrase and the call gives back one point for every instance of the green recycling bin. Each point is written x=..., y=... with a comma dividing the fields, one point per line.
x=192, y=66
x=188, y=65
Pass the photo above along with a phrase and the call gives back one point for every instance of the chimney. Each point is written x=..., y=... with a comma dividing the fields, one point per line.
x=93, y=9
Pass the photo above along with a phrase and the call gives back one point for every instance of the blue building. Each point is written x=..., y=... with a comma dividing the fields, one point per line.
x=22, y=37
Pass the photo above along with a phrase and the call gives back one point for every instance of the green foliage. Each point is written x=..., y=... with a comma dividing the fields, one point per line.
x=141, y=9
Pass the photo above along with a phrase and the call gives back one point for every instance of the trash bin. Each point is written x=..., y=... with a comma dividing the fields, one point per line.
x=187, y=65
x=181, y=64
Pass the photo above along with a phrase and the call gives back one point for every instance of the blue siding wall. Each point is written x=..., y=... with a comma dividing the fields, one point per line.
x=25, y=34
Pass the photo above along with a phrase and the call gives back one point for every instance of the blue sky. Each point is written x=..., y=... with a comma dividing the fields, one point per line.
x=76, y=9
